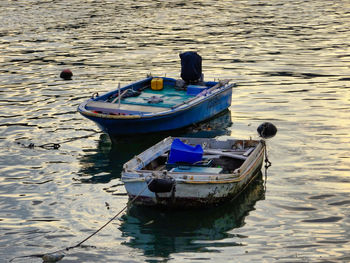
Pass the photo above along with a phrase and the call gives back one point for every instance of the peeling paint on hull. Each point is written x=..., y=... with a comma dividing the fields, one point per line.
x=190, y=202
x=191, y=189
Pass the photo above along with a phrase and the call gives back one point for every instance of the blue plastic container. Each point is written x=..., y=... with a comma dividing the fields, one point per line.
x=184, y=153
x=194, y=90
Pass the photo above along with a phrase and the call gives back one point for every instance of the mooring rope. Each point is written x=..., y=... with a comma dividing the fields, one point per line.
x=267, y=163
x=55, y=146
x=113, y=218
x=59, y=254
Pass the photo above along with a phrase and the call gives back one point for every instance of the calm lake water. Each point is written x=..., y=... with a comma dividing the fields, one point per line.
x=291, y=63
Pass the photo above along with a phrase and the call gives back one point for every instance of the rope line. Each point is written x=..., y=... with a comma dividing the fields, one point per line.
x=54, y=146
x=267, y=162
x=114, y=217
x=59, y=254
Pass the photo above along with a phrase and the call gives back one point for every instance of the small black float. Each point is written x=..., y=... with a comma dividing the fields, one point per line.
x=161, y=185
x=267, y=130
x=66, y=74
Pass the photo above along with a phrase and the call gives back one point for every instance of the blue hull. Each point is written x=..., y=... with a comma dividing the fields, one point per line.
x=175, y=118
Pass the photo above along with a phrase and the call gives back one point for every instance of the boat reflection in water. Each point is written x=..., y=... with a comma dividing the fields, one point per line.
x=216, y=126
x=161, y=233
x=106, y=162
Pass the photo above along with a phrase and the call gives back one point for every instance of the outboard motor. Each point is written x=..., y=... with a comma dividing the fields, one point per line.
x=191, y=67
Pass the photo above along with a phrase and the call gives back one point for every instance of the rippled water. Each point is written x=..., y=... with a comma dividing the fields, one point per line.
x=291, y=61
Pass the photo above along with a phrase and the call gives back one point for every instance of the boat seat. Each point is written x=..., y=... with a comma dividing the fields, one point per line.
x=114, y=107
x=203, y=163
x=196, y=169
x=247, y=153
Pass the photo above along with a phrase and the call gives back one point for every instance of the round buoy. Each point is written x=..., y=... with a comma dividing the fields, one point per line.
x=267, y=130
x=66, y=74
x=161, y=185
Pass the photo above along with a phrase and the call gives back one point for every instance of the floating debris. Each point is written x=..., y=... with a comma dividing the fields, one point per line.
x=52, y=257
x=47, y=258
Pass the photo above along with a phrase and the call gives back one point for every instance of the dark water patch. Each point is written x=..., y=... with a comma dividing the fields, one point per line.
x=11, y=116
x=333, y=241
x=303, y=246
x=32, y=60
x=38, y=183
x=102, y=179
x=274, y=53
x=42, y=220
x=331, y=219
x=340, y=203
x=296, y=74
x=119, y=194
x=41, y=117
x=315, y=48
x=27, y=232
x=17, y=124
x=297, y=91
x=320, y=99
x=219, y=244
x=117, y=189
x=65, y=113
x=295, y=208
x=201, y=259
x=58, y=237
x=36, y=202
x=243, y=61
x=17, y=178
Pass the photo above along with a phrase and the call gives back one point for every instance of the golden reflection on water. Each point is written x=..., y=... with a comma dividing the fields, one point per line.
x=290, y=60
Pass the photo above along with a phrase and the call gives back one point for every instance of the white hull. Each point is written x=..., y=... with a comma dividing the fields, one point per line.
x=191, y=188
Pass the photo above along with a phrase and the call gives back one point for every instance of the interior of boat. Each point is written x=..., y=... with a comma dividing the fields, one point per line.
x=210, y=164
x=156, y=94
x=159, y=92
x=213, y=160
x=150, y=95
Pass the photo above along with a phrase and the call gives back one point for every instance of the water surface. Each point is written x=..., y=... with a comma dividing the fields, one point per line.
x=291, y=62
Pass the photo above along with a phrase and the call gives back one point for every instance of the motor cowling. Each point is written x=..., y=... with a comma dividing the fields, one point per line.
x=191, y=67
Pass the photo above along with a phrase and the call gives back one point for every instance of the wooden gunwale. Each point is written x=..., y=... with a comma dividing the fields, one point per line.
x=238, y=178
x=180, y=108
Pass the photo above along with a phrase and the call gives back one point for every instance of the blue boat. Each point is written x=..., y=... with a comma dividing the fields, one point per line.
x=156, y=104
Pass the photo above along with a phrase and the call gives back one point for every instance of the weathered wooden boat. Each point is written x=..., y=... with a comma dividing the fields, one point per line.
x=157, y=104
x=192, y=172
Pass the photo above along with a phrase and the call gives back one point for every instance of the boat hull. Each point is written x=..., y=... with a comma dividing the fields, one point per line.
x=191, y=196
x=201, y=109
x=196, y=190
